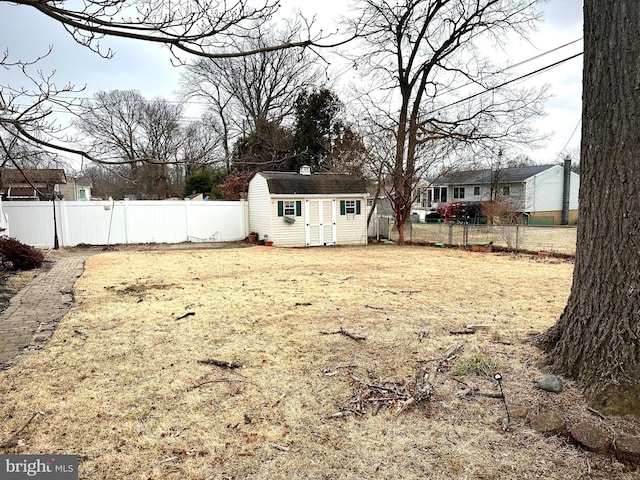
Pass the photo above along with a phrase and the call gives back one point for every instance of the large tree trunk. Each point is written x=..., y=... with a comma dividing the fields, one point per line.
x=597, y=338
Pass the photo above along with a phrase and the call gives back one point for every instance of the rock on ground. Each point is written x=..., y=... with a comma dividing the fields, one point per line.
x=548, y=423
x=591, y=436
x=551, y=383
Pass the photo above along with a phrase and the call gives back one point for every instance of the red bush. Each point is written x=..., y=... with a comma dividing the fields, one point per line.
x=15, y=255
x=460, y=211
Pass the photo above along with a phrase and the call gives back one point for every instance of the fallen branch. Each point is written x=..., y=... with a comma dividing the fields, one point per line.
x=342, y=331
x=221, y=363
x=340, y=414
x=302, y=304
x=217, y=380
x=78, y=331
x=464, y=331
x=373, y=308
x=488, y=394
x=220, y=380
x=597, y=413
x=13, y=440
x=279, y=447
x=188, y=314
x=449, y=354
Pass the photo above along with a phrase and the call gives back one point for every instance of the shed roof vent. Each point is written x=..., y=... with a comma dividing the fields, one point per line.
x=305, y=170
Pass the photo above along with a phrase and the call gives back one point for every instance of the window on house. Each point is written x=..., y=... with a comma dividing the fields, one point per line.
x=476, y=191
x=350, y=207
x=458, y=192
x=443, y=195
x=290, y=208
x=505, y=191
x=429, y=197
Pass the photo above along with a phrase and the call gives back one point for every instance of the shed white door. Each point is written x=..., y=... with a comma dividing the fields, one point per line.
x=320, y=222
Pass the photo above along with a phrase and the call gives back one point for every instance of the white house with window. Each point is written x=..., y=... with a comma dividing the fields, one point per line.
x=305, y=209
x=537, y=191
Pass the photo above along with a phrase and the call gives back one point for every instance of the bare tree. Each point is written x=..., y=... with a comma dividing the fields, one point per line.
x=202, y=146
x=423, y=53
x=203, y=28
x=14, y=152
x=122, y=127
x=209, y=28
x=248, y=91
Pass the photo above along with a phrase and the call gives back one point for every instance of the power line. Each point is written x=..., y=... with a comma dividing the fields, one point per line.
x=570, y=137
x=519, y=64
x=342, y=71
x=508, y=82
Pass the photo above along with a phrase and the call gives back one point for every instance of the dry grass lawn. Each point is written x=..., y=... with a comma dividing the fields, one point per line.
x=120, y=383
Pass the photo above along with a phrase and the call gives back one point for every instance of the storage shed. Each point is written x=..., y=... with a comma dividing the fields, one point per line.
x=305, y=209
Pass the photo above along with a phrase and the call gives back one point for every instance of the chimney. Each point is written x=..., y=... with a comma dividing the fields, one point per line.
x=305, y=170
x=566, y=191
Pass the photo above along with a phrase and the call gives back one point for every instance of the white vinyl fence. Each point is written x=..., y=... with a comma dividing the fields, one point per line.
x=126, y=222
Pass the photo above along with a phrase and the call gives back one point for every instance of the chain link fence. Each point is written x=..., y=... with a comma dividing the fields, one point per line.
x=533, y=238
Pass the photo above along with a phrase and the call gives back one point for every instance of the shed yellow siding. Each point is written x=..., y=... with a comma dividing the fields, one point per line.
x=259, y=207
x=352, y=228
x=287, y=234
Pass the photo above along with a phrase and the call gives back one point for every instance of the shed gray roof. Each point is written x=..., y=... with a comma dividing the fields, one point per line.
x=506, y=175
x=316, y=184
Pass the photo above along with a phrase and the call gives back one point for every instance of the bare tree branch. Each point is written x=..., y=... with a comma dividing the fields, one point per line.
x=423, y=51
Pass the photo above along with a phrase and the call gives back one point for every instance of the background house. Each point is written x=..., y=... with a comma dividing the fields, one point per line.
x=41, y=183
x=77, y=189
x=31, y=184
x=540, y=193
x=304, y=209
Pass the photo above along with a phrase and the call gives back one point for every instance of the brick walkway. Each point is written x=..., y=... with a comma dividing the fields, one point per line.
x=33, y=313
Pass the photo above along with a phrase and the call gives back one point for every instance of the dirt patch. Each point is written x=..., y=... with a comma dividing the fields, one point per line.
x=128, y=381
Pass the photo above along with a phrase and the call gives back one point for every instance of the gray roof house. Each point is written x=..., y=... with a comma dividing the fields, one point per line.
x=31, y=183
x=547, y=192
x=304, y=209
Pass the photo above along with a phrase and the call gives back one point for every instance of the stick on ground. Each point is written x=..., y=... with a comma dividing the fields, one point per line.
x=342, y=331
x=13, y=440
x=220, y=363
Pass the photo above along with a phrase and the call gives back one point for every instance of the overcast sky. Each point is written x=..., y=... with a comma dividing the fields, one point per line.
x=145, y=67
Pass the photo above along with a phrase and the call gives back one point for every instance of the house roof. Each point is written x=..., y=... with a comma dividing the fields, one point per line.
x=505, y=175
x=39, y=175
x=318, y=183
x=21, y=192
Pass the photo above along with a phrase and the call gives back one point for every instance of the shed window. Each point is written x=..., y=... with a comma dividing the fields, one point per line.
x=350, y=207
x=458, y=192
x=506, y=191
x=289, y=208
x=476, y=191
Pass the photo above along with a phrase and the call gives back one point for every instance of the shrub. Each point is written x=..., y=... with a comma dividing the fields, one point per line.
x=462, y=211
x=18, y=256
x=475, y=364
